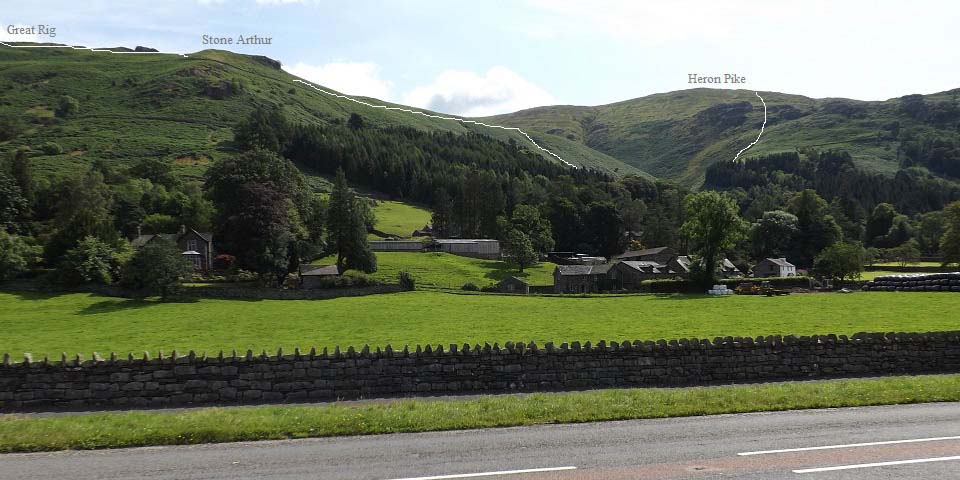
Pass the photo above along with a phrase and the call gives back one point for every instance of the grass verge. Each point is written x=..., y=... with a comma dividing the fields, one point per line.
x=25, y=433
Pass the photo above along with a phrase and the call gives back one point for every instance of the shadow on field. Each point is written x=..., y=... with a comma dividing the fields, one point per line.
x=110, y=306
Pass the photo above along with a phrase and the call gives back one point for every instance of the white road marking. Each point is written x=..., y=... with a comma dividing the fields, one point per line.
x=878, y=464
x=490, y=474
x=850, y=445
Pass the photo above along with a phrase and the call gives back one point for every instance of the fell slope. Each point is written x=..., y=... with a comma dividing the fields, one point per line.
x=167, y=106
x=676, y=135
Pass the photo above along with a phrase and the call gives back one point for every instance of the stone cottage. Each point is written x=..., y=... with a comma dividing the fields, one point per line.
x=196, y=247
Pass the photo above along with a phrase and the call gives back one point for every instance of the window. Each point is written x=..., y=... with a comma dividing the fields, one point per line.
x=192, y=245
x=196, y=263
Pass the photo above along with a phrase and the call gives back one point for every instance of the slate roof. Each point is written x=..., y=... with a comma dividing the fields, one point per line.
x=643, y=253
x=512, y=279
x=566, y=270
x=645, y=266
x=780, y=261
x=142, y=240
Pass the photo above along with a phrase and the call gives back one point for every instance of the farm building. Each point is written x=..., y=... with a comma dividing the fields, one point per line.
x=681, y=264
x=580, y=278
x=660, y=255
x=312, y=275
x=468, y=247
x=774, y=267
x=513, y=285
x=627, y=275
x=426, y=231
x=396, y=245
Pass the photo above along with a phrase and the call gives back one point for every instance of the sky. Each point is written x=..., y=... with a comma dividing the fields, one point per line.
x=481, y=58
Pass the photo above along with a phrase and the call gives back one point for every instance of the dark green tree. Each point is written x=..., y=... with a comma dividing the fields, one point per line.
x=67, y=106
x=12, y=203
x=816, y=227
x=266, y=128
x=712, y=226
x=840, y=262
x=346, y=232
x=94, y=261
x=519, y=250
x=156, y=269
x=772, y=235
x=441, y=218
x=355, y=122
x=606, y=228
x=17, y=254
x=82, y=210
x=950, y=242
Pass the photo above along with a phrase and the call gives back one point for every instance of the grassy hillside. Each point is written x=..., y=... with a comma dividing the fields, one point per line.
x=443, y=270
x=677, y=135
x=398, y=218
x=167, y=106
x=47, y=324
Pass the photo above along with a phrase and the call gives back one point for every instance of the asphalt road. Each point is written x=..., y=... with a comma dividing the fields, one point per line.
x=927, y=445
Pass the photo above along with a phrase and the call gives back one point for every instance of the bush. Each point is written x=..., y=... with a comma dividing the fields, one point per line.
x=156, y=268
x=51, y=148
x=406, y=281
x=348, y=280
x=94, y=261
x=10, y=128
x=686, y=286
x=224, y=262
x=17, y=254
x=67, y=106
x=470, y=287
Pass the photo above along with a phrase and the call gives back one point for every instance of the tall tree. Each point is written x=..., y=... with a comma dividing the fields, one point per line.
x=17, y=254
x=346, y=232
x=605, y=225
x=519, y=250
x=156, y=269
x=441, y=218
x=817, y=229
x=840, y=262
x=712, y=226
x=950, y=242
x=82, y=210
x=772, y=234
x=12, y=203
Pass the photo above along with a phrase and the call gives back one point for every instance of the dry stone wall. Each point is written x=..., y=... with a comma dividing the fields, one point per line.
x=74, y=383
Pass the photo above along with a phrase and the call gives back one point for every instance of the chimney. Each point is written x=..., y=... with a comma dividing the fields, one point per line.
x=183, y=229
x=138, y=231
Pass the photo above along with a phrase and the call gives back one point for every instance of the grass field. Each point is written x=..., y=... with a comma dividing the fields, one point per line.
x=398, y=218
x=129, y=429
x=444, y=270
x=45, y=324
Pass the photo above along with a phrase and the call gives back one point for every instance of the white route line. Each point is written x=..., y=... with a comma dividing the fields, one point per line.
x=461, y=120
x=849, y=445
x=761, y=127
x=490, y=474
x=457, y=119
x=877, y=464
x=73, y=47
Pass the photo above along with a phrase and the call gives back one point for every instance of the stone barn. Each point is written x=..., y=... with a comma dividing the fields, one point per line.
x=513, y=285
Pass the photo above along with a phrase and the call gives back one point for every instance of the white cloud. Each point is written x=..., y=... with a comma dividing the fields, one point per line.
x=351, y=78
x=466, y=93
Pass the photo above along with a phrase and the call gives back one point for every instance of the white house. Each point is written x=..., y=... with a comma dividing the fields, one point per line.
x=774, y=267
